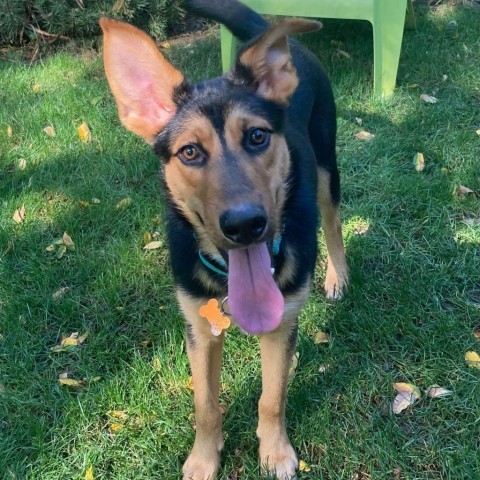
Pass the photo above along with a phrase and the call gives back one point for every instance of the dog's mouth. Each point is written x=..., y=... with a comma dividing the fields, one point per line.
x=254, y=299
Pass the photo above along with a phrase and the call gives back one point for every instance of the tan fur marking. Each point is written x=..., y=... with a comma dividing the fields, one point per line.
x=337, y=271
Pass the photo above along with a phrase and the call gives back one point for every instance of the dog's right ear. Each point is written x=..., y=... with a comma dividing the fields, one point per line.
x=141, y=79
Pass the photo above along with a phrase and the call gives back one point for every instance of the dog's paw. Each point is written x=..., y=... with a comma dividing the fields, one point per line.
x=335, y=284
x=200, y=468
x=279, y=460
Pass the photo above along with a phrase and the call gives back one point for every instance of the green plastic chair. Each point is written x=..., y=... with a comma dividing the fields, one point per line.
x=388, y=18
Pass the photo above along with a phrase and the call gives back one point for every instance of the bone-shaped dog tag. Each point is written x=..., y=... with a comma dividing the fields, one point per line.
x=216, y=317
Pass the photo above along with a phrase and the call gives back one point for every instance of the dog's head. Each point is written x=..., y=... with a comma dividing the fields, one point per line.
x=226, y=161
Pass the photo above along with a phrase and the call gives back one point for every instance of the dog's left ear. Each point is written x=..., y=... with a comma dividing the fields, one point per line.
x=270, y=62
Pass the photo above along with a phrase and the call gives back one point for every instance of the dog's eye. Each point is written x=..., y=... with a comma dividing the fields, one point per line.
x=190, y=153
x=258, y=137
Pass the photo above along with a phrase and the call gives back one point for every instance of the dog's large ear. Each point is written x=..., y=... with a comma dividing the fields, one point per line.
x=270, y=62
x=141, y=79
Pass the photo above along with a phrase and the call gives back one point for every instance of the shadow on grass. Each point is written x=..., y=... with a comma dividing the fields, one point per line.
x=408, y=279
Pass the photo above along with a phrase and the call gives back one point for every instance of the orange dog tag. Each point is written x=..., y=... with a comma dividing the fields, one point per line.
x=215, y=317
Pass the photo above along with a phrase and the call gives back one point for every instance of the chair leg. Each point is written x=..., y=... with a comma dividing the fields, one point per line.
x=229, y=48
x=410, y=21
x=388, y=23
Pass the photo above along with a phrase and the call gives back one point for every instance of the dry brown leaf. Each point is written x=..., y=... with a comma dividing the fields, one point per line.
x=293, y=365
x=67, y=241
x=476, y=334
x=84, y=133
x=473, y=359
x=428, y=98
x=419, y=162
x=462, y=190
x=364, y=135
x=22, y=164
x=9, y=131
x=153, y=245
x=60, y=293
x=434, y=391
x=19, y=215
x=50, y=131
x=322, y=337
x=408, y=394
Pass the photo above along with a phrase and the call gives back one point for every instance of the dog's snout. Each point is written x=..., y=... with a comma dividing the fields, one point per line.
x=244, y=223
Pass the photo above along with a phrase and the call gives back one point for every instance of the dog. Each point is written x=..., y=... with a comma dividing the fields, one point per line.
x=248, y=163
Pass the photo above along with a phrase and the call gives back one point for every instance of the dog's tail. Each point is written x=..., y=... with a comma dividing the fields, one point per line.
x=241, y=20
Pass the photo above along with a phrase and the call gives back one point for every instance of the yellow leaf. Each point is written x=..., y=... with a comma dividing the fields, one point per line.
x=419, y=162
x=83, y=203
x=364, y=135
x=22, y=164
x=153, y=245
x=119, y=414
x=408, y=394
x=84, y=133
x=67, y=241
x=402, y=387
x=125, y=202
x=96, y=379
x=69, y=342
x=36, y=88
x=50, y=131
x=115, y=427
x=50, y=248
x=472, y=359
x=83, y=337
x=322, y=337
x=303, y=466
x=89, y=473
x=61, y=251
x=428, y=98
x=70, y=382
x=9, y=131
x=147, y=237
x=19, y=215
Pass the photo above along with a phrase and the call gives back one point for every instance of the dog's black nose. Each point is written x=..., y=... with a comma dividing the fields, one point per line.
x=244, y=224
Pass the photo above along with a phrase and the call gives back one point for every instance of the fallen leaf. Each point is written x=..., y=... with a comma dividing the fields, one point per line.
x=343, y=53
x=36, y=88
x=364, y=135
x=22, y=164
x=461, y=190
x=476, y=334
x=303, y=466
x=419, y=162
x=428, y=98
x=81, y=339
x=89, y=473
x=478, y=132
x=50, y=131
x=83, y=203
x=147, y=237
x=125, y=202
x=153, y=245
x=322, y=337
x=19, y=215
x=61, y=251
x=96, y=379
x=472, y=359
x=408, y=394
x=9, y=132
x=118, y=5
x=84, y=133
x=70, y=382
x=95, y=200
x=118, y=414
x=115, y=427
x=293, y=365
x=67, y=241
x=397, y=473
x=60, y=293
x=50, y=248
x=324, y=367
x=435, y=391
x=358, y=121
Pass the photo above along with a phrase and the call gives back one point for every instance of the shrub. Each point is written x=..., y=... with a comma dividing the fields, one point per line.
x=20, y=20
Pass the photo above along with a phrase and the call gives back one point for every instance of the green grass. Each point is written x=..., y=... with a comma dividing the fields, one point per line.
x=408, y=315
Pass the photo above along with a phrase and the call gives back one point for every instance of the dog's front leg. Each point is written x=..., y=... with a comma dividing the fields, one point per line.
x=205, y=354
x=276, y=453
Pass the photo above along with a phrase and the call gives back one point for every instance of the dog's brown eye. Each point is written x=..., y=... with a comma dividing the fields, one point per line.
x=259, y=136
x=191, y=154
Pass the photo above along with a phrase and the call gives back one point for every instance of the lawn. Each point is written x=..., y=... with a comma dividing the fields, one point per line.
x=413, y=248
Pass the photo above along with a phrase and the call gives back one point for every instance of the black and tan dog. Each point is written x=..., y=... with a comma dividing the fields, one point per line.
x=247, y=157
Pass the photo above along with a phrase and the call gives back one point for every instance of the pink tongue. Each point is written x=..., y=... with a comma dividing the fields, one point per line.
x=254, y=299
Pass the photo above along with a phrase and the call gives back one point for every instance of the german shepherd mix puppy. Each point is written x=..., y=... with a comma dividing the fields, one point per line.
x=246, y=159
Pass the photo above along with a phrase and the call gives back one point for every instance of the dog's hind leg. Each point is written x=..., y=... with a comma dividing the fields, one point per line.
x=337, y=271
x=205, y=355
